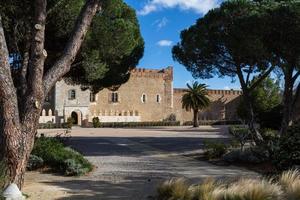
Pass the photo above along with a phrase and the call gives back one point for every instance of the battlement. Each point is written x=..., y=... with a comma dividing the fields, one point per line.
x=166, y=73
x=213, y=92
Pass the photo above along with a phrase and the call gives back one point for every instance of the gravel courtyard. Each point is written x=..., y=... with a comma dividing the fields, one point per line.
x=129, y=163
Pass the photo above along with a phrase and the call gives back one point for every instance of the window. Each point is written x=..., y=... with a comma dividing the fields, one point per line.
x=47, y=99
x=157, y=98
x=92, y=97
x=114, y=97
x=144, y=98
x=72, y=94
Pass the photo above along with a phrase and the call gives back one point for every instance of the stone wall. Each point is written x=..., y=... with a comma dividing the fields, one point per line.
x=156, y=85
x=223, y=106
x=64, y=106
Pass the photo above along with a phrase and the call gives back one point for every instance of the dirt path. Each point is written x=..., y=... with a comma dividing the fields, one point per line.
x=130, y=163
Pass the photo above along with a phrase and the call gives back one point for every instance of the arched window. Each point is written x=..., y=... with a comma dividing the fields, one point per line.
x=92, y=97
x=72, y=94
x=144, y=98
x=158, y=99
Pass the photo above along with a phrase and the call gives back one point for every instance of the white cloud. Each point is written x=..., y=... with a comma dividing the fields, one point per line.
x=160, y=23
x=198, y=6
x=226, y=88
x=165, y=43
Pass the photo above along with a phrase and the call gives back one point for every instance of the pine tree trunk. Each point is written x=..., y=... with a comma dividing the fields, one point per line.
x=196, y=121
x=16, y=146
x=287, y=104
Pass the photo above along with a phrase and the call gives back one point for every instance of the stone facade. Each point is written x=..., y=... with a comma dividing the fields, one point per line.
x=147, y=96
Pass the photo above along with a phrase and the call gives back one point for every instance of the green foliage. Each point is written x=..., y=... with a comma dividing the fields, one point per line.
x=286, y=149
x=266, y=99
x=196, y=97
x=171, y=118
x=112, y=47
x=60, y=158
x=70, y=122
x=96, y=122
x=137, y=124
x=214, y=149
x=240, y=133
x=34, y=163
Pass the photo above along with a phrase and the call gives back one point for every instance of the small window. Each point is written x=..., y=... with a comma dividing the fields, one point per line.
x=158, y=98
x=144, y=98
x=47, y=99
x=72, y=94
x=114, y=97
x=92, y=97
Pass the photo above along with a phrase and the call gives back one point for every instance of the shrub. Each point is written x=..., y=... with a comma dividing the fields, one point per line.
x=70, y=122
x=174, y=189
x=290, y=182
x=286, y=151
x=241, y=134
x=34, y=162
x=170, y=118
x=55, y=156
x=246, y=156
x=96, y=122
x=214, y=149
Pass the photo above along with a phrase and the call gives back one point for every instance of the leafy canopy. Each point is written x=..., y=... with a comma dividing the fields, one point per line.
x=226, y=41
x=196, y=97
x=112, y=47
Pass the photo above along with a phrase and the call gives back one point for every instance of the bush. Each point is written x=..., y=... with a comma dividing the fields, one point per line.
x=241, y=134
x=170, y=118
x=96, y=122
x=55, y=156
x=137, y=124
x=245, y=156
x=214, y=149
x=286, y=149
x=70, y=122
x=213, y=122
x=34, y=162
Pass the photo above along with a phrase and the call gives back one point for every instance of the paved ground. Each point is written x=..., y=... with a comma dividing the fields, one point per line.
x=131, y=162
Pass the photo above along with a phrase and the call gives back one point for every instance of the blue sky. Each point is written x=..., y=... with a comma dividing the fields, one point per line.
x=161, y=22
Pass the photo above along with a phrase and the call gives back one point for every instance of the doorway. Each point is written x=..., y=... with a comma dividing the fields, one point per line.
x=74, y=116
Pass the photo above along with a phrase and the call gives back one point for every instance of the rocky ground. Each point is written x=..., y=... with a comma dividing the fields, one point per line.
x=130, y=163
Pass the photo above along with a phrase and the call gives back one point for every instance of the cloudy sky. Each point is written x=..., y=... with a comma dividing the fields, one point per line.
x=161, y=23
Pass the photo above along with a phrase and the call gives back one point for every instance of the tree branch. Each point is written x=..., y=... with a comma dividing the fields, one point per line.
x=261, y=78
x=296, y=76
x=9, y=113
x=63, y=64
x=297, y=96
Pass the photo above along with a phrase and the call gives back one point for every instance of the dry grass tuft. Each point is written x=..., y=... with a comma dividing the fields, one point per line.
x=290, y=182
x=204, y=191
x=175, y=189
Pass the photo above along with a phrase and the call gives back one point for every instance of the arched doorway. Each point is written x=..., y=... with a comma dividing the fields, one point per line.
x=74, y=116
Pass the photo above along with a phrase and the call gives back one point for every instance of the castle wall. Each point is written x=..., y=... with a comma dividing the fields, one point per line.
x=223, y=106
x=130, y=96
x=161, y=100
x=65, y=106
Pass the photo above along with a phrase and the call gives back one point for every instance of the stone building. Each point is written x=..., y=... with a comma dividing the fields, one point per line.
x=147, y=96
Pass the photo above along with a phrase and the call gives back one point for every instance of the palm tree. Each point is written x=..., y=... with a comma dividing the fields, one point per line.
x=195, y=98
